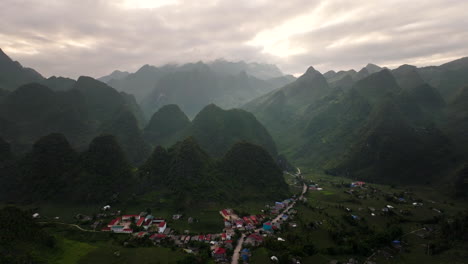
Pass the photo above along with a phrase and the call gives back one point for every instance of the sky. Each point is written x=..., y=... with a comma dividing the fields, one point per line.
x=94, y=37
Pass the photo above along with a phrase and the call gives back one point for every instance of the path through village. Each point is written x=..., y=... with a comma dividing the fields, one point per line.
x=235, y=256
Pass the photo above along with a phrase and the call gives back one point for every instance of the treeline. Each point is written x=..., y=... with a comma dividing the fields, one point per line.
x=20, y=236
x=53, y=170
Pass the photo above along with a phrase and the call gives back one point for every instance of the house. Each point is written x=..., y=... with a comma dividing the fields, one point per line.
x=279, y=205
x=254, y=219
x=219, y=254
x=140, y=221
x=147, y=223
x=106, y=207
x=228, y=244
x=161, y=227
x=245, y=254
x=227, y=224
x=114, y=222
x=141, y=234
x=157, y=236
x=254, y=239
x=129, y=217
x=226, y=214
x=36, y=216
x=117, y=228
x=267, y=226
x=357, y=184
x=247, y=220
x=223, y=236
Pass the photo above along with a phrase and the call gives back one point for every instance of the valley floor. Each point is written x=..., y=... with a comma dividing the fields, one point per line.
x=329, y=222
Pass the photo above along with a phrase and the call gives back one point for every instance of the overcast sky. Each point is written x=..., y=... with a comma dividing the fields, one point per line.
x=94, y=37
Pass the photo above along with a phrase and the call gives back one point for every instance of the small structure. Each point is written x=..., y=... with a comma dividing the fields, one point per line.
x=140, y=221
x=267, y=226
x=106, y=207
x=161, y=227
x=357, y=184
x=219, y=254
x=176, y=217
x=36, y=216
x=254, y=240
x=129, y=217
x=245, y=254
x=226, y=214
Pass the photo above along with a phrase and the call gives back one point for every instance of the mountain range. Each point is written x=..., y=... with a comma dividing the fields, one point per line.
x=195, y=85
x=406, y=125
x=401, y=125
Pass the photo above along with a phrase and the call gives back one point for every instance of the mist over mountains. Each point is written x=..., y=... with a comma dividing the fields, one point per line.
x=194, y=85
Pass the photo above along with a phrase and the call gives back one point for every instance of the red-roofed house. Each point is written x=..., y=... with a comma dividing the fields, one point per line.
x=114, y=222
x=127, y=230
x=161, y=227
x=140, y=221
x=141, y=234
x=358, y=184
x=158, y=236
x=219, y=254
x=247, y=220
x=224, y=213
x=223, y=236
x=254, y=219
x=106, y=229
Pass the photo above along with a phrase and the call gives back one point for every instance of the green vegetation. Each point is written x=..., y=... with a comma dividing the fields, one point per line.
x=247, y=172
x=325, y=229
x=379, y=125
x=79, y=113
x=215, y=129
x=21, y=237
x=166, y=126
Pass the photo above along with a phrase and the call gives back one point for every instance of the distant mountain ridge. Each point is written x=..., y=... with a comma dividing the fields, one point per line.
x=194, y=85
x=13, y=74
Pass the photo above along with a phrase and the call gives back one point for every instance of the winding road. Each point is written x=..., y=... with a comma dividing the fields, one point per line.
x=235, y=256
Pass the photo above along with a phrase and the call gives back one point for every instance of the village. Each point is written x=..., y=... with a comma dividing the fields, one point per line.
x=242, y=233
x=254, y=227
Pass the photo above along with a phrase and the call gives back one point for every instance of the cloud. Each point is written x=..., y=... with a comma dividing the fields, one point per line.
x=94, y=37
